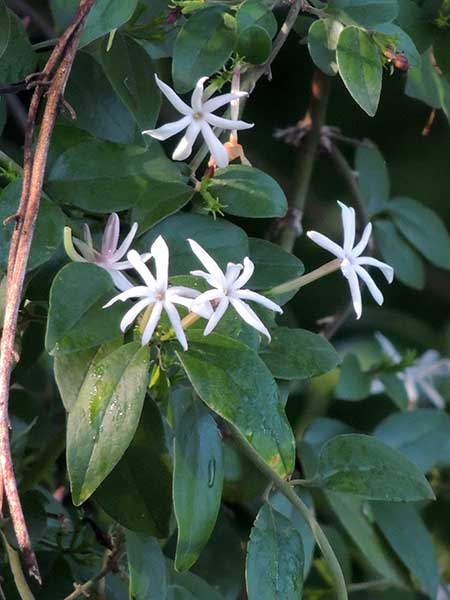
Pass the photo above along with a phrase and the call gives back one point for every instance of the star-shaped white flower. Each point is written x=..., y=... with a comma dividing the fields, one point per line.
x=198, y=118
x=158, y=294
x=110, y=255
x=352, y=261
x=228, y=290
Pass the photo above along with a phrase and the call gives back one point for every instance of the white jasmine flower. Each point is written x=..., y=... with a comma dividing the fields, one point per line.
x=198, y=118
x=109, y=257
x=158, y=294
x=352, y=261
x=227, y=290
x=419, y=378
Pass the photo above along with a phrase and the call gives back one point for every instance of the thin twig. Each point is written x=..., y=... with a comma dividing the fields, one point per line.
x=33, y=176
x=110, y=565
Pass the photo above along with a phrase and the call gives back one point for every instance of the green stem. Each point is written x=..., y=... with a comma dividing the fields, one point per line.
x=287, y=490
x=299, y=282
x=16, y=569
x=315, y=120
x=45, y=44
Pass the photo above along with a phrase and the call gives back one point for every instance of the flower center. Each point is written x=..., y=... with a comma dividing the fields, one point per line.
x=198, y=115
x=160, y=296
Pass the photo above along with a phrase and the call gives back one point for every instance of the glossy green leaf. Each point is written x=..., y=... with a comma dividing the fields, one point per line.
x=242, y=480
x=197, y=481
x=146, y=567
x=415, y=22
x=298, y=354
x=234, y=382
x=424, y=82
x=423, y=228
x=363, y=466
x=422, y=435
x=367, y=13
x=203, y=45
x=373, y=176
x=322, y=40
x=353, y=383
x=105, y=417
x=130, y=71
x=5, y=27
x=360, y=67
x=273, y=265
x=247, y=192
x=255, y=12
x=71, y=370
x=395, y=250
x=49, y=227
x=102, y=177
x=405, y=531
x=138, y=492
x=187, y=586
x=314, y=437
x=254, y=44
x=76, y=318
x=220, y=238
x=99, y=110
x=395, y=389
x=275, y=558
x=18, y=58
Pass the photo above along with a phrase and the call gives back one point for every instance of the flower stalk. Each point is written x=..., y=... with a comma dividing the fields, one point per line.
x=299, y=282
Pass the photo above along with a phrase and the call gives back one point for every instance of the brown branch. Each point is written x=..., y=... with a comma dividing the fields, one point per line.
x=58, y=67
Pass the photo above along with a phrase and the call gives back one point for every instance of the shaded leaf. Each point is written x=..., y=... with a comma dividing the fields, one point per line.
x=147, y=568
x=353, y=383
x=373, y=176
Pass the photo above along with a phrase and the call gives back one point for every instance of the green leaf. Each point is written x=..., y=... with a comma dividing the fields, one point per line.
x=255, y=12
x=350, y=512
x=71, y=370
x=322, y=40
x=18, y=58
x=373, y=176
x=138, y=492
x=422, y=435
x=187, y=586
x=197, y=481
x=414, y=20
x=441, y=49
x=130, y=71
x=254, y=44
x=146, y=567
x=105, y=417
x=47, y=235
x=99, y=111
x=298, y=354
x=366, y=13
x=395, y=250
x=422, y=227
x=405, y=531
x=234, y=382
x=403, y=43
x=353, y=383
x=203, y=45
x=424, y=83
x=395, y=389
x=5, y=27
x=223, y=240
x=275, y=558
x=76, y=318
x=360, y=67
x=103, y=177
x=273, y=265
x=247, y=192
x=363, y=466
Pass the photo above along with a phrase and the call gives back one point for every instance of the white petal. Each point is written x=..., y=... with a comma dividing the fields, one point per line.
x=142, y=269
x=160, y=253
x=432, y=394
x=246, y=274
x=324, y=242
x=69, y=247
x=111, y=234
x=184, y=148
x=387, y=270
x=254, y=297
x=169, y=129
x=227, y=123
x=87, y=251
x=134, y=292
x=235, y=90
x=232, y=273
x=203, y=310
x=214, y=103
x=197, y=95
x=216, y=148
x=218, y=314
x=248, y=315
x=173, y=98
x=350, y=274
x=88, y=236
x=348, y=223
x=125, y=245
x=208, y=262
x=130, y=315
x=361, y=245
x=208, y=296
x=119, y=280
x=152, y=323
x=371, y=285
x=175, y=321
x=388, y=347
x=207, y=277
